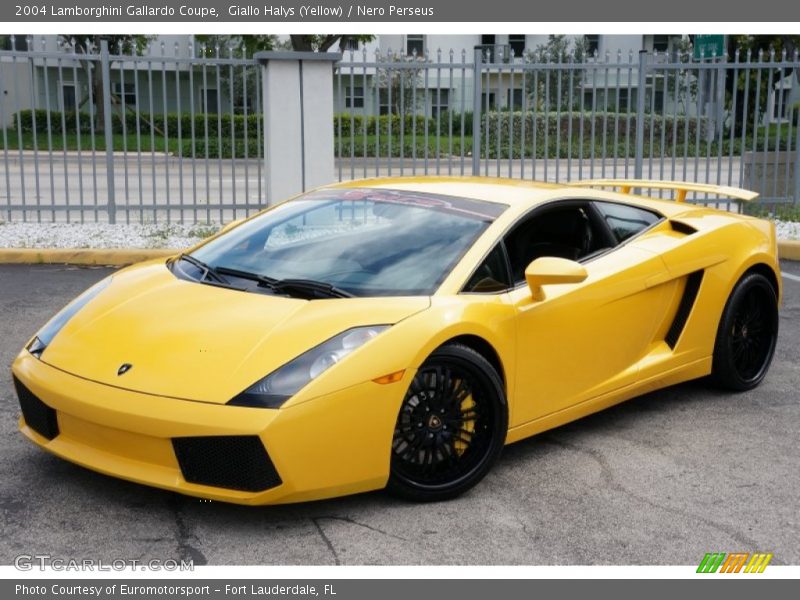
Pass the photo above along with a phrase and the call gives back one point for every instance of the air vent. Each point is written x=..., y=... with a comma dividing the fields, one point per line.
x=38, y=416
x=693, y=282
x=226, y=461
x=682, y=227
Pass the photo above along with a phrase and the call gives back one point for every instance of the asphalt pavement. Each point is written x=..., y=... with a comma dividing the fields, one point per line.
x=661, y=479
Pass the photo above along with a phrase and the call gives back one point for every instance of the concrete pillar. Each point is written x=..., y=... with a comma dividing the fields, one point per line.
x=298, y=121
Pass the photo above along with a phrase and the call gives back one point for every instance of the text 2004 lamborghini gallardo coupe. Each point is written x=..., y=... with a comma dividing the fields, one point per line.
x=397, y=333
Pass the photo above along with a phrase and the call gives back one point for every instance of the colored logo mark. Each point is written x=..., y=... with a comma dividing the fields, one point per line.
x=735, y=562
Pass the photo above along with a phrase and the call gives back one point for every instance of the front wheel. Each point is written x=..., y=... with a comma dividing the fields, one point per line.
x=451, y=426
x=747, y=334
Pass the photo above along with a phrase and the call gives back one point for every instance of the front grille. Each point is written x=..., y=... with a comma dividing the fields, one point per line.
x=39, y=417
x=236, y=462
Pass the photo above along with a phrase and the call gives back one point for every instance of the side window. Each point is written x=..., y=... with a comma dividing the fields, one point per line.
x=626, y=221
x=492, y=274
x=570, y=231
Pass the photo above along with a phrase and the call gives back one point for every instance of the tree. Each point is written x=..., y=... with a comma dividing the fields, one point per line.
x=323, y=43
x=544, y=88
x=682, y=82
x=399, y=84
x=240, y=81
x=237, y=45
x=765, y=46
x=90, y=44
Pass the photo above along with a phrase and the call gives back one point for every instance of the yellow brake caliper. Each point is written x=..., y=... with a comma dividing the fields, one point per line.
x=467, y=426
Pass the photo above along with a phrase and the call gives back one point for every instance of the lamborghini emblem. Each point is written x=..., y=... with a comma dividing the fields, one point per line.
x=124, y=369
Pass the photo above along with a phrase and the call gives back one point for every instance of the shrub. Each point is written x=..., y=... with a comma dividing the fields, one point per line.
x=158, y=124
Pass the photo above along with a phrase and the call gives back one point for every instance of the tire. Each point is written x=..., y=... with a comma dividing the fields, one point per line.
x=451, y=426
x=747, y=334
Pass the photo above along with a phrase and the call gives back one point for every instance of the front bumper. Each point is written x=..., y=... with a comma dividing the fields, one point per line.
x=333, y=445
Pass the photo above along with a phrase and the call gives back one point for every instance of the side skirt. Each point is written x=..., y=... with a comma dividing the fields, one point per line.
x=693, y=370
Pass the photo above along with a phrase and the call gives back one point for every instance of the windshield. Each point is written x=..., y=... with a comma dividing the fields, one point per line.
x=364, y=242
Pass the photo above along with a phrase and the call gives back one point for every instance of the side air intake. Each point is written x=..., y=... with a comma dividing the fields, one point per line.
x=693, y=282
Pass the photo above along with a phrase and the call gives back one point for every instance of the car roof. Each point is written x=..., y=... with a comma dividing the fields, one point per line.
x=517, y=193
x=488, y=189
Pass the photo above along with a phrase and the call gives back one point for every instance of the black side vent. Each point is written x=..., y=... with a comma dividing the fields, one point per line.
x=682, y=227
x=38, y=416
x=693, y=282
x=236, y=462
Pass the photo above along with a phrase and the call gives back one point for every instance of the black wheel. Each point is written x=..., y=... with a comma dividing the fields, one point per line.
x=451, y=426
x=747, y=334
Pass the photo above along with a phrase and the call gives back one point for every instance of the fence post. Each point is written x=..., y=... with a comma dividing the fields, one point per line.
x=477, y=94
x=640, y=104
x=298, y=121
x=796, y=198
x=111, y=205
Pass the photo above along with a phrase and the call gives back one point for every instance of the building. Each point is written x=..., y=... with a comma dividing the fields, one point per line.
x=437, y=78
x=449, y=84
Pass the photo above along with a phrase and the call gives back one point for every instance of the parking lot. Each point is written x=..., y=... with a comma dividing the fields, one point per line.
x=661, y=479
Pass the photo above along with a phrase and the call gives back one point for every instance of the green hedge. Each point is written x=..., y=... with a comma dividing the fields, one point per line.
x=563, y=133
x=596, y=133
x=355, y=124
x=169, y=124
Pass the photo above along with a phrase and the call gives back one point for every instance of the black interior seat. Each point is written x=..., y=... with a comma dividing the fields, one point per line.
x=562, y=233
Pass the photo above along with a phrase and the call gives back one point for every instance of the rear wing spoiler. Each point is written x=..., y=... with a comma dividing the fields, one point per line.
x=681, y=188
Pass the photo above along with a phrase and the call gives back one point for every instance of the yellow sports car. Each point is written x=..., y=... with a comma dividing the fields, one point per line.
x=397, y=333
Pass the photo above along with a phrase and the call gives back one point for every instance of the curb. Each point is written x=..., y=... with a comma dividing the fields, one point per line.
x=787, y=250
x=81, y=256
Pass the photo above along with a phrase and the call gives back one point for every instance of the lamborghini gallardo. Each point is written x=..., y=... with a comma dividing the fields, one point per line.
x=397, y=333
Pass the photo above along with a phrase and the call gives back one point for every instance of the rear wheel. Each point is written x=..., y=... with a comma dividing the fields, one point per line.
x=451, y=426
x=747, y=334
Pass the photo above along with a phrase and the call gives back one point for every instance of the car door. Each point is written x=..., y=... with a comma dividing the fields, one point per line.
x=582, y=340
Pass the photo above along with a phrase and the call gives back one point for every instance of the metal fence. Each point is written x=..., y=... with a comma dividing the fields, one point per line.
x=175, y=134
x=95, y=134
x=651, y=115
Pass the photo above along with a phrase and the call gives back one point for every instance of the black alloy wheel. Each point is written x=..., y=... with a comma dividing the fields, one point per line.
x=747, y=334
x=450, y=428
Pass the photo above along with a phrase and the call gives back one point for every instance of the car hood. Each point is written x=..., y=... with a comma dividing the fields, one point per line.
x=199, y=342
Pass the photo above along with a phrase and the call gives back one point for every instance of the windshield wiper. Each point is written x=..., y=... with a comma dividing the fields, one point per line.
x=309, y=288
x=305, y=288
x=261, y=279
x=210, y=274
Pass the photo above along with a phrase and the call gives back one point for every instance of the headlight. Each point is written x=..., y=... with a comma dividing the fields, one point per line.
x=48, y=332
x=280, y=385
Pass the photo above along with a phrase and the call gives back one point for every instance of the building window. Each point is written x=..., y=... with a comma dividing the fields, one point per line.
x=415, y=44
x=440, y=101
x=491, y=102
x=68, y=97
x=592, y=44
x=622, y=101
x=514, y=100
x=654, y=98
x=780, y=109
x=488, y=47
x=19, y=43
x=126, y=94
x=660, y=43
x=210, y=101
x=517, y=43
x=354, y=97
x=383, y=101
x=351, y=44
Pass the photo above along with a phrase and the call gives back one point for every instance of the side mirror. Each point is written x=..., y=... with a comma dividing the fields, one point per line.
x=231, y=225
x=550, y=270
